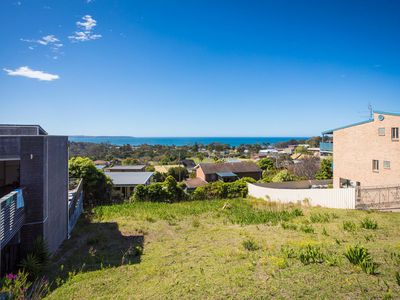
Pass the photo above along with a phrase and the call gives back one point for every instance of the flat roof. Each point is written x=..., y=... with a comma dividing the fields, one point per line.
x=129, y=178
x=7, y=127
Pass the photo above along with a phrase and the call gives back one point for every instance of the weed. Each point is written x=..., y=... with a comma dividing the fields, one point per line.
x=250, y=245
x=320, y=218
x=288, y=252
x=349, y=226
x=307, y=229
x=296, y=212
x=397, y=276
x=196, y=223
x=368, y=223
x=369, y=237
x=324, y=232
x=358, y=255
x=150, y=219
x=395, y=256
x=332, y=259
x=290, y=226
x=311, y=254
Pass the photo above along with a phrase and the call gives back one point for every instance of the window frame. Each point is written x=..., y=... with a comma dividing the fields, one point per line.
x=395, y=133
x=381, y=129
x=375, y=163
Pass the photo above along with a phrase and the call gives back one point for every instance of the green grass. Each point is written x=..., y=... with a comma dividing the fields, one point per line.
x=242, y=249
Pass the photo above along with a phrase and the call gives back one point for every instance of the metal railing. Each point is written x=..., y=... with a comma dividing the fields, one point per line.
x=75, y=203
x=326, y=147
x=11, y=217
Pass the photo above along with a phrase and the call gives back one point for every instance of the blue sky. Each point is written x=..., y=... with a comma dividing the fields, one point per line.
x=197, y=68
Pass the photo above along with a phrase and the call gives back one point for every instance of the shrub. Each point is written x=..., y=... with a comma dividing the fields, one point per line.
x=37, y=260
x=349, y=226
x=168, y=191
x=17, y=286
x=31, y=265
x=397, y=276
x=250, y=245
x=283, y=176
x=223, y=190
x=326, y=170
x=96, y=185
x=368, y=223
x=358, y=255
x=266, y=164
x=311, y=254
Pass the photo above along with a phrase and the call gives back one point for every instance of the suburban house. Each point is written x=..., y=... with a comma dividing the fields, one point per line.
x=367, y=153
x=227, y=171
x=134, y=168
x=125, y=182
x=189, y=164
x=34, y=194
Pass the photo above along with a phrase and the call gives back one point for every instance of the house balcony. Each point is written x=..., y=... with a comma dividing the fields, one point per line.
x=326, y=147
x=12, y=215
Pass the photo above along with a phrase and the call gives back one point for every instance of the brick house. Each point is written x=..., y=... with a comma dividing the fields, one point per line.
x=365, y=154
x=210, y=172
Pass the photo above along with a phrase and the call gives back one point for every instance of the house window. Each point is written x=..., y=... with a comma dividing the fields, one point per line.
x=386, y=164
x=375, y=165
x=395, y=133
x=381, y=131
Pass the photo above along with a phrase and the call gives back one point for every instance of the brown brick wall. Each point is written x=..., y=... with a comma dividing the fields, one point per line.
x=355, y=147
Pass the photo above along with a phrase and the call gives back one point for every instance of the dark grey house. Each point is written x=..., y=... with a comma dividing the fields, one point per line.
x=33, y=190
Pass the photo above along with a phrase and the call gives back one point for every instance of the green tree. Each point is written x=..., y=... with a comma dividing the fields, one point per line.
x=179, y=173
x=301, y=150
x=200, y=156
x=266, y=164
x=130, y=161
x=150, y=168
x=326, y=170
x=96, y=185
x=283, y=176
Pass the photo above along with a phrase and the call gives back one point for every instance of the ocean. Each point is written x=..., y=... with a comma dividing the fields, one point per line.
x=179, y=141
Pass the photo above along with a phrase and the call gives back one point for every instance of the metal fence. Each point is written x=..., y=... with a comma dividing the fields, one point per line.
x=378, y=197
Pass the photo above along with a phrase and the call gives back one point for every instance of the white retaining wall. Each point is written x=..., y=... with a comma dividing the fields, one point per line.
x=332, y=198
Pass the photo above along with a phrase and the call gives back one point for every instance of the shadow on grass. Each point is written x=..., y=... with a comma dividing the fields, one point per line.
x=94, y=246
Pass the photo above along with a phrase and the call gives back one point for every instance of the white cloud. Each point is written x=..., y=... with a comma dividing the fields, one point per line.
x=48, y=40
x=88, y=23
x=83, y=36
x=28, y=72
x=85, y=30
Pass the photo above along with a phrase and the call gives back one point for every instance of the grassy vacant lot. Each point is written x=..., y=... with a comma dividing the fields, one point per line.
x=246, y=249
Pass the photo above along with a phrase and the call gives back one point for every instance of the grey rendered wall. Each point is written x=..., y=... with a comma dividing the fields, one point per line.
x=32, y=178
x=56, y=198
